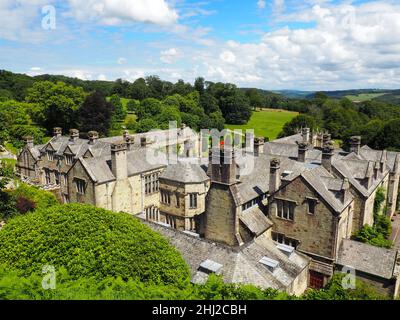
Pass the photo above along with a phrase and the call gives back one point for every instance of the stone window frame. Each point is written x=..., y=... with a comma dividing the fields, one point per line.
x=289, y=216
x=50, y=155
x=165, y=197
x=80, y=185
x=151, y=183
x=193, y=200
x=283, y=239
x=47, y=174
x=315, y=201
x=69, y=159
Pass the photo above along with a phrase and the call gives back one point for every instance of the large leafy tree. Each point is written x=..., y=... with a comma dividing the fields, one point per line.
x=16, y=123
x=95, y=114
x=119, y=109
x=59, y=104
x=90, y=242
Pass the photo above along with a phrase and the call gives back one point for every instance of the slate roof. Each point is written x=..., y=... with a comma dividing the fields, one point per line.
x=367, y=258
x=239, y=264
x=100, y=168
x=255, y=220
x=316, y=179
x=185, y=172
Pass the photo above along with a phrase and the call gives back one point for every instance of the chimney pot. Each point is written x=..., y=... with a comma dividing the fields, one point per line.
x=57, y=132
x=93, y=136
x=73, y=134
x=355, y=144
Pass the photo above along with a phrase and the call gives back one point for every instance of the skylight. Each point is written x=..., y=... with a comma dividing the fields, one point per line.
x=210, y=266
x=271, y=264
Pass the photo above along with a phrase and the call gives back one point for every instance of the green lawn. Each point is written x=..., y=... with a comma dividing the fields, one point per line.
x=365, y=96
x=266, y=123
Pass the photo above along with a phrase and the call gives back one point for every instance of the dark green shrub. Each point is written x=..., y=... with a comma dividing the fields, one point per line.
x=90, y=242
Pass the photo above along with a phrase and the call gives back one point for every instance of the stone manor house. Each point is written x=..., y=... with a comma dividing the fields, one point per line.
x=285, y=223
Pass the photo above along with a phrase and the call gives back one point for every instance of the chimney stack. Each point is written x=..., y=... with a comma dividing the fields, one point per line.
x=143, y=141
x=383, y=161
x=345, y=191
x=28, y=142
x=119, y=163
x=305, y=133
x=73, y=134
x=327, y=154
x=326, y=137
x=355, y=144
x=222, y=165
x=274, y=175
x=93, y=137
x=57, y=132
x=302, y=151
x=258, y=146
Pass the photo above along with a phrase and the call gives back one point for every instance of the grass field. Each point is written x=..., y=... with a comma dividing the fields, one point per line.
x=365, y=96
x=266, y=123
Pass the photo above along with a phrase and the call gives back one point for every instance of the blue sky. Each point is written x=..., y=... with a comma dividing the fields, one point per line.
x=276, y=44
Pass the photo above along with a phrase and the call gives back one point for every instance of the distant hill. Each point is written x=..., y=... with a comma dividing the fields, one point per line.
x=295, y=94
x=15, y=85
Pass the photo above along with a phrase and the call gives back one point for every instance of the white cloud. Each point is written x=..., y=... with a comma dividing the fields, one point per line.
x=170, y=55
x=346, y=46
x=115, y=12
x=21, y=20
x=227, y=56
x=261, y=4
x=102, y=77
x=278, y=6
x=121, y=61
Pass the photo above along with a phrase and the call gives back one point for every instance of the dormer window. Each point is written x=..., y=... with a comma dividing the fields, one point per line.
x=50, y=155
x=69, y=159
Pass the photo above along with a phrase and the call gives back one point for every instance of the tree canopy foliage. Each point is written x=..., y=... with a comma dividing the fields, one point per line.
x=90, y=242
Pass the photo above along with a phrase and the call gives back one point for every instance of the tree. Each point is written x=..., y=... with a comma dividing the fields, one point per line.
x=138, y=90
x=255, y=98
x=146, y=125
x=167, y=115
x=209, y=103
x=95, y=114
x=119, y=110
x=199, y=85
x=235, y=107
x=133, y=105
x=16, y=123
x=59, y=104
x=300, y=121
x=149, y=107
x=389, y=136
x=90, y=242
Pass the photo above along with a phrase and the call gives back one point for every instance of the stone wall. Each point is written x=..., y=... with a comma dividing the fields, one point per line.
x=221, y=217
x=316, y=233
